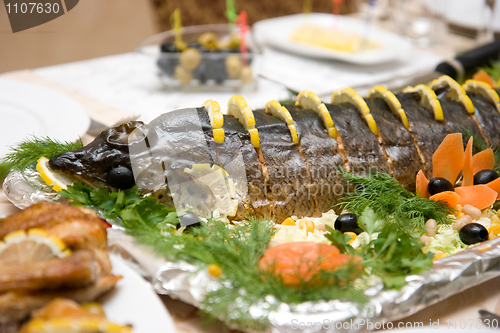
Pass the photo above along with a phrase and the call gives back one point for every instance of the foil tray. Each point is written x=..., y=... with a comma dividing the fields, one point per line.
x=188, y=283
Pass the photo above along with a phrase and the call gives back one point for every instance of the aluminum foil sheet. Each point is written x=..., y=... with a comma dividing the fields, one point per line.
x=449, y=276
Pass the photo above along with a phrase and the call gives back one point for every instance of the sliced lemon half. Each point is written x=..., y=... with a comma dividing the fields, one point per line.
x=483, y=89
x=35, y=245
x=457, y=93
x=309, y=100
x=349, y=95
x=238, y=107
x=56, y=180
x=216, y=119
x=392, y=101
x=220, y=184
x=428, y=99
x=281, y=112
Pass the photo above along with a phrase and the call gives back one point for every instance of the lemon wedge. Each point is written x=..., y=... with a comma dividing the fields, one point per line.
x=238, y=107
x=349, y=95
x=56, y=180
x=216, y=119
x=392, y=102
x=428, y=99
x=457, y=93
x=280, y=112
x=35, y=245
x=483, y=89
x=309, y=100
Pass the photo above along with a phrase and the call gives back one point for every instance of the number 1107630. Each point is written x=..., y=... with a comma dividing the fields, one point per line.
x=32, y=7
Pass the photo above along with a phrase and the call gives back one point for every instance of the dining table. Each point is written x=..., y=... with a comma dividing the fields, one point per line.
x=114, y=87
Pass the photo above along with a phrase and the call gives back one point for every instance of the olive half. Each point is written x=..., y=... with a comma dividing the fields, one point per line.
x=348, y=223
x=485, y=176
x=438, y=184
x=473, y=233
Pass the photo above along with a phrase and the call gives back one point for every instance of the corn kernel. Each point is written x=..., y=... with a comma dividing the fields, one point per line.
x=288, y=221
x=352, y=235
x=214, y=270
x=494, y=219
x=439, y=255
x=459, y=214
x=307, y=224
x=494, y=229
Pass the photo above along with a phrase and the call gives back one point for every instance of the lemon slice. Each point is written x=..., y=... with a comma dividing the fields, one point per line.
x=483, y=89
x=392, y=101
x=309, y=100
x=457, y=93
x=428, y=99
x=280, y=112
x=349, y=95
x=220, y=184
x=238, y=107
x=35, y=245
x=74, y=325
x=56, y=180
x=216, y=119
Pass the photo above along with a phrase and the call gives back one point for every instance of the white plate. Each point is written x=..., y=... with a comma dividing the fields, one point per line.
x=134, y=302
x=276, y=33
x=468, y=14
x=27, y=109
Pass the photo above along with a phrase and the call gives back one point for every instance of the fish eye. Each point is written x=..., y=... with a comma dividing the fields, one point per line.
x=120, y=177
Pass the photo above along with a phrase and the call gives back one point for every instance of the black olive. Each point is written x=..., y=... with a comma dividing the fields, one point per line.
x=438, y=184
x=485, y=176
x=348, y=222
x=189, y=220
x=120, y=177
x=473, y=233
x=168, y=47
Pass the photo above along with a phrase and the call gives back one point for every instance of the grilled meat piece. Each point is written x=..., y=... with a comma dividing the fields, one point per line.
x=82, y=276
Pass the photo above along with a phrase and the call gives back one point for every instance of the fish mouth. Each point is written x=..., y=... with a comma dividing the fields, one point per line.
x=106, y=160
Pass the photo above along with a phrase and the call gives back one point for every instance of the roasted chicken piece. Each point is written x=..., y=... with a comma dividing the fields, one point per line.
x=81, y=273
x=66, y=315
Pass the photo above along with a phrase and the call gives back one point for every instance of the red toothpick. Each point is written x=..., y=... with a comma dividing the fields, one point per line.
x=242, y=21
x=336, y=10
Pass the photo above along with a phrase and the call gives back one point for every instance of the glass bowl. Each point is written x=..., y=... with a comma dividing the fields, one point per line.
x=215, y=64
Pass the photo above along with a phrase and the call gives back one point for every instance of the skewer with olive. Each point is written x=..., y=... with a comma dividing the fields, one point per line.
x=208, y=58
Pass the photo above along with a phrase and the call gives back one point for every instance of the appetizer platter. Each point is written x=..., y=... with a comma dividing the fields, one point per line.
x=361, y=209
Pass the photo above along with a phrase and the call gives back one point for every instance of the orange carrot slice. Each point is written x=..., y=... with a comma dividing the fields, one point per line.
x=449, y=198
x=479, y=196
x=495, y=186
x=448, y=159
x=467, y=173
x=481, y=75
x=422, y=185
x=484, y=160
x=297, y=262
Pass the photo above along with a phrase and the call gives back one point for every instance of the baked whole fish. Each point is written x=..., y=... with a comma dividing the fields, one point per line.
x=284, y=160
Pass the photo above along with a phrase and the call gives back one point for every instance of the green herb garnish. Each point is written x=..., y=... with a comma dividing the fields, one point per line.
x=391, y=202
x=30, y=150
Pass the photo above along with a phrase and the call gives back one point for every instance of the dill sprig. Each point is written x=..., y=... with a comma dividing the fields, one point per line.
x=30, y=150
x=391, y=202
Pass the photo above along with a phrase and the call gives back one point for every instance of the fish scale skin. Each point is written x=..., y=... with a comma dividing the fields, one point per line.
x=398, y=142
x=488, y=117
x=289, y=179
x=321, y=153
x=361, y=146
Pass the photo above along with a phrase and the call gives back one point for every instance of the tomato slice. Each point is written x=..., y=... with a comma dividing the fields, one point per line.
x=300, y=262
